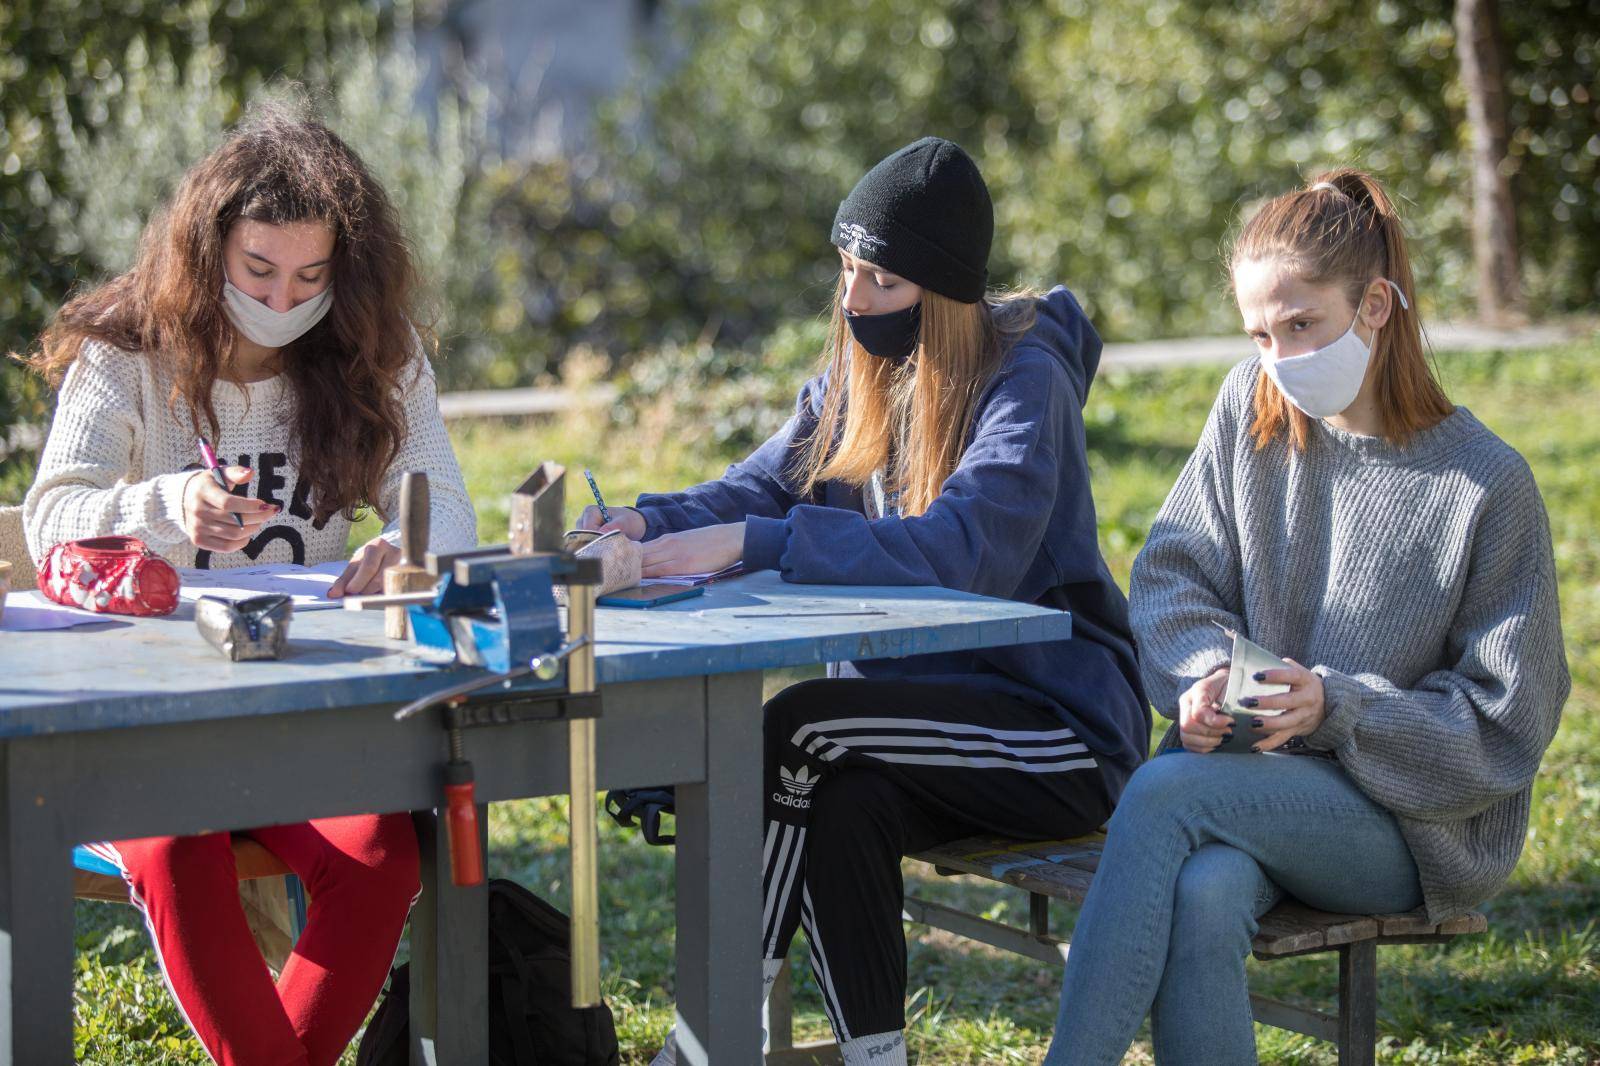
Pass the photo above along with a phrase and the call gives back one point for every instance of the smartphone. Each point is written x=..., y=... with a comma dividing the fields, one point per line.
x=1243, y=735
x=650, y=595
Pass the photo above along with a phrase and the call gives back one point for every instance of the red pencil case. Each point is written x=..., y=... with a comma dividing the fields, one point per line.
x=109, y=575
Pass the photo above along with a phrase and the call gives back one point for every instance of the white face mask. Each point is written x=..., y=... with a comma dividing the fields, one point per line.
x=1325, y=382
x=269, y=328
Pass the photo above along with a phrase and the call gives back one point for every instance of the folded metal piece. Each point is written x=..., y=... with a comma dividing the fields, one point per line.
x=255, y=628
x=621, y=559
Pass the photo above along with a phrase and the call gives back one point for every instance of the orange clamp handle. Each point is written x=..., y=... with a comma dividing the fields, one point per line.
x=461, y=826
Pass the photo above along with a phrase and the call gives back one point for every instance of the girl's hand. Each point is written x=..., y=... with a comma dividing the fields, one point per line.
x=630, y=521
x=365, y=573
x=694, y=551
x=1202, y=724
x=208, y=511
x=1303, y=709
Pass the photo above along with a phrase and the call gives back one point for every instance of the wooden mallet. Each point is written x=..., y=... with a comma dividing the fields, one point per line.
x=409, y=575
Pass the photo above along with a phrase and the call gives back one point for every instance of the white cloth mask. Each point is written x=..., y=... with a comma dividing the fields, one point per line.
x=269, y=328
x=1324, y=382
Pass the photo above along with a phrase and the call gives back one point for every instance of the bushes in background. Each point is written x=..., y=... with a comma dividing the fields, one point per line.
x=1122, y=140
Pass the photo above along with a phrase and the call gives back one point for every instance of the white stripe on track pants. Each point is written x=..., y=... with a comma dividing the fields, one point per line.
x=861, y=771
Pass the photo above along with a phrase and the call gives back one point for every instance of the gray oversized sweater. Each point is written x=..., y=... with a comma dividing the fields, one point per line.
x=1418, y=582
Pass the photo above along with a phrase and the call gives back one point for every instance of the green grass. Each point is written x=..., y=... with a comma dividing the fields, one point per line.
x=1527, y=992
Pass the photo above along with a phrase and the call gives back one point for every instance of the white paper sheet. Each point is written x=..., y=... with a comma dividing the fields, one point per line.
x=307, y=585
x=30, y=612
x=698, y=579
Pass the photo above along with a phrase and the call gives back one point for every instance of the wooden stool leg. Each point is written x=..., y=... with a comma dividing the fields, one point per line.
x=780, y=1012
x=270, y=914
x=1358, y=1003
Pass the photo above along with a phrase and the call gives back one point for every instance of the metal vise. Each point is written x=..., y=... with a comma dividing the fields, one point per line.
x=495, y=608
x=498, y=611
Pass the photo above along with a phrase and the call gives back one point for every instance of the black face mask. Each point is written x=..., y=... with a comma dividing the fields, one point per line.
x=892, y=336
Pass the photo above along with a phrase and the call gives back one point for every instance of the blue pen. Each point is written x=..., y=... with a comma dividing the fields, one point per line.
x=605, y=515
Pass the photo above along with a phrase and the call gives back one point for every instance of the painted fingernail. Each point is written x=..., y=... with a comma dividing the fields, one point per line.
x=1249, y=701
x=1259, y=675
x=1255, y=723
x=1256, y=748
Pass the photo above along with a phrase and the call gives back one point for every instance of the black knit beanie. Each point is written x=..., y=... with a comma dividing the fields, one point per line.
x=923, y=213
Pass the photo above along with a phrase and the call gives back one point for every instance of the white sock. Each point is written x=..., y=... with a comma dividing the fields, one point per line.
x=770, y=968
x=884, y=1049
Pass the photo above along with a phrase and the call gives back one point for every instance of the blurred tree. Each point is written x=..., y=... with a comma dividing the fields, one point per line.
x=1122, y=140
x=117, y=145
x=62, y=63
x=1494, y=217
x=735, y=151
x=1553, y=93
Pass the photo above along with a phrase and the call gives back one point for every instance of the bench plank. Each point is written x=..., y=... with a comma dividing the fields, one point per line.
x=1064, y=869
x=1286, y=935
x=1292, y=928
x=1060, y=869
x=1415, y=923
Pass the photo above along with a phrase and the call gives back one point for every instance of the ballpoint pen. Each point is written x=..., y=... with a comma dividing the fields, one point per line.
x=605, y=515
x=209, y=457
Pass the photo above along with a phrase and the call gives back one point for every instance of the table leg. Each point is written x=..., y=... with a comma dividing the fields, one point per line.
x=449, y=956
x=719, y=884
x=36, y=948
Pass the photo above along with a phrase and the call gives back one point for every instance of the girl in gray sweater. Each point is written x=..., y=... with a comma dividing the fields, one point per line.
x=1342, y=513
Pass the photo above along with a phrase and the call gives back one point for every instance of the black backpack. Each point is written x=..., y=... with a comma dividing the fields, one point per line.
x=531, y=1018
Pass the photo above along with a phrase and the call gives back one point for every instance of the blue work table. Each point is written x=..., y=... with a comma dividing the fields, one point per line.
x=137, y=727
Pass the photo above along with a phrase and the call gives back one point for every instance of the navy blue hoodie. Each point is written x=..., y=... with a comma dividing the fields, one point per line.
x=1014, y=520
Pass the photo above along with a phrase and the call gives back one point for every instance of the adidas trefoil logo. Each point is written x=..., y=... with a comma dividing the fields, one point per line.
x=800, y=782
x=798, y=785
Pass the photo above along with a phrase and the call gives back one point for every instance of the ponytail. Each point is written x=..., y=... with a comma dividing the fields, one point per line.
x=1343, y=229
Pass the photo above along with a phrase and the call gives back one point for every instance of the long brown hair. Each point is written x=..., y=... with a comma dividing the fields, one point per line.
x=1349, y=235
x=277, y=167
x=910, y=419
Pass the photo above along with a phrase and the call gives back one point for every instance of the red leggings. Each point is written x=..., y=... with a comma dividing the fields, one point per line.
x=361, y=875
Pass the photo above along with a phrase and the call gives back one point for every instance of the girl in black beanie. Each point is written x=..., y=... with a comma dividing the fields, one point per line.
x=942, y=444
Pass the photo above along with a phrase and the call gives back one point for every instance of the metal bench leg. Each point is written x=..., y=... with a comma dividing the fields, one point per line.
x=1358, y=1003
x=1038, y=914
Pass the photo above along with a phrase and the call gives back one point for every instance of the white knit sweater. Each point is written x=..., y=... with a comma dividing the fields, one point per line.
x=117, y=462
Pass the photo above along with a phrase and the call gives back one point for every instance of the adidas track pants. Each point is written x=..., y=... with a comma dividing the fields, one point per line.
x=861, y=771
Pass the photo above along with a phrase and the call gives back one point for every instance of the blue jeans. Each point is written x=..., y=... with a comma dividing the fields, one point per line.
x=1199, y=847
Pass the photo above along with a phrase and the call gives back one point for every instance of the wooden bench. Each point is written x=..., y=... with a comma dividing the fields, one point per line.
x=1063, y=869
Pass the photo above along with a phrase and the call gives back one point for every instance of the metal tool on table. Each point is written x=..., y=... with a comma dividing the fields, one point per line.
x=245, y=630
x=409, y=574
x=495, y=608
